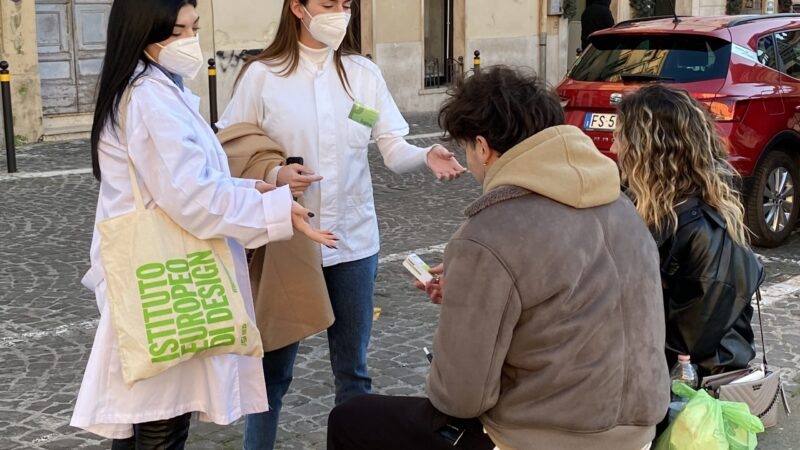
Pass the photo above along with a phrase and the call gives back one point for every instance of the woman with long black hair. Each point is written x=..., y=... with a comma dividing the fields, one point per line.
x=147, y=119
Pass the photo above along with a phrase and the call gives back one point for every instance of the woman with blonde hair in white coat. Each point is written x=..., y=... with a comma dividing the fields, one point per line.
x=180, y=168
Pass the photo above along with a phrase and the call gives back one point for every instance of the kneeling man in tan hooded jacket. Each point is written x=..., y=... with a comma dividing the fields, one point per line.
x=551, y=332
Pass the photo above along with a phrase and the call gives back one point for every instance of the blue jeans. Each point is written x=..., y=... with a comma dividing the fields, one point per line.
x=350, y=287
x=260, y=430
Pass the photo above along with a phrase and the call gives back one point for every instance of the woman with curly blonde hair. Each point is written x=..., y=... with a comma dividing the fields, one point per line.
x=676, y=171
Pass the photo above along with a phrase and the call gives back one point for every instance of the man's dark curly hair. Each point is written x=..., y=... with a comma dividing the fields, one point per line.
x=504, y=105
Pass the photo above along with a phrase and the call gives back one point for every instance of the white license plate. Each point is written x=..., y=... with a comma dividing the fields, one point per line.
x=596, y=121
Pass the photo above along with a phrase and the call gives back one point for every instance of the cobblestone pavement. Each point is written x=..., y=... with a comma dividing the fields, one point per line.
x=47, y=318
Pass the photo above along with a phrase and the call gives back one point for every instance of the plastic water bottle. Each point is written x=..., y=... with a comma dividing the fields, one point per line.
x=686, y=373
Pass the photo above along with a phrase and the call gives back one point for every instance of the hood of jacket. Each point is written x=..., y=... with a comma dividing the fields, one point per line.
x=560, y=163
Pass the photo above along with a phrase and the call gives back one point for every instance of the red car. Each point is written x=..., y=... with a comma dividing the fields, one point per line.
x=745, y=68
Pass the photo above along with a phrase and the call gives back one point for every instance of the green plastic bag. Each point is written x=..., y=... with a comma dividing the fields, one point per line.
x=710, y=424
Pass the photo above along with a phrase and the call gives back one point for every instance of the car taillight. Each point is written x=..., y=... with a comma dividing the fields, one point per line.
x=727, y=109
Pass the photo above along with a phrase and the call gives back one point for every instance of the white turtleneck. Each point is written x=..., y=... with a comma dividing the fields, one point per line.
x=316, y=56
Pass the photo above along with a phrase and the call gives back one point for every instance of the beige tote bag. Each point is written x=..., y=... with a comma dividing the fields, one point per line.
x=172, y=296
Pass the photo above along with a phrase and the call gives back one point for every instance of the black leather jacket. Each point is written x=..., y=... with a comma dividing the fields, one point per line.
x=709, y=282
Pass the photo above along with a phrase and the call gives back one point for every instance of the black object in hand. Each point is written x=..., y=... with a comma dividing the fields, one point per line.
x=294, y=160
x=451, y=433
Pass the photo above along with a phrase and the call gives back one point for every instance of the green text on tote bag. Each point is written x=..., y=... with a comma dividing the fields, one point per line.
x=185, y=307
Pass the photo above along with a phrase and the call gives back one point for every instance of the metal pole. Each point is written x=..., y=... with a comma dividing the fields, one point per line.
x=543, y=56
x=543, y=41
x=8, y=118
x=212, y=92
x=477, y=62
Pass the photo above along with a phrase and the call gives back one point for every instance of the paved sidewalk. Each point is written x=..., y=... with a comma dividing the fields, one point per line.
x=74, y=156
x=48, y=318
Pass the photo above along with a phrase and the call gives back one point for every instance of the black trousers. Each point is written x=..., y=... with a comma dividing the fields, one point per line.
x=370, y=422
x=167, y=434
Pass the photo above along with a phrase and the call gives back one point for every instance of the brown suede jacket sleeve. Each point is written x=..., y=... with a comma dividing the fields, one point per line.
x=480, y=310
x=251, y=154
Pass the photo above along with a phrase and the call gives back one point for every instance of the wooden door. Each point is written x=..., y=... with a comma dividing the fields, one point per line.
x=71, y=36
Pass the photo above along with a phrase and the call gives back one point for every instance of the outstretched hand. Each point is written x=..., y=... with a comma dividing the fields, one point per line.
x=300, y=217
x=443, y=163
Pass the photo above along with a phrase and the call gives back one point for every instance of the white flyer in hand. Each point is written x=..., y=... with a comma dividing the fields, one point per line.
x=418, y=268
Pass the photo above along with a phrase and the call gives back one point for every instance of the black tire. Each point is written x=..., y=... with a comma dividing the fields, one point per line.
x=757, y=208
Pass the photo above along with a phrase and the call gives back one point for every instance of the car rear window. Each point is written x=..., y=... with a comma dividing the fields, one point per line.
x=674, y=58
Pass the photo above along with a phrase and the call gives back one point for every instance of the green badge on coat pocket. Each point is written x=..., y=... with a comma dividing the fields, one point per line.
x=364, y=115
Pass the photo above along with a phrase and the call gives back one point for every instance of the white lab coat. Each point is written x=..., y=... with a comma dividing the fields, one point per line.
x=182, y=169
x=307, y=113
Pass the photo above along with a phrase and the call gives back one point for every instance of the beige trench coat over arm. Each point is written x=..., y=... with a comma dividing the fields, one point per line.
x=289, y=292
